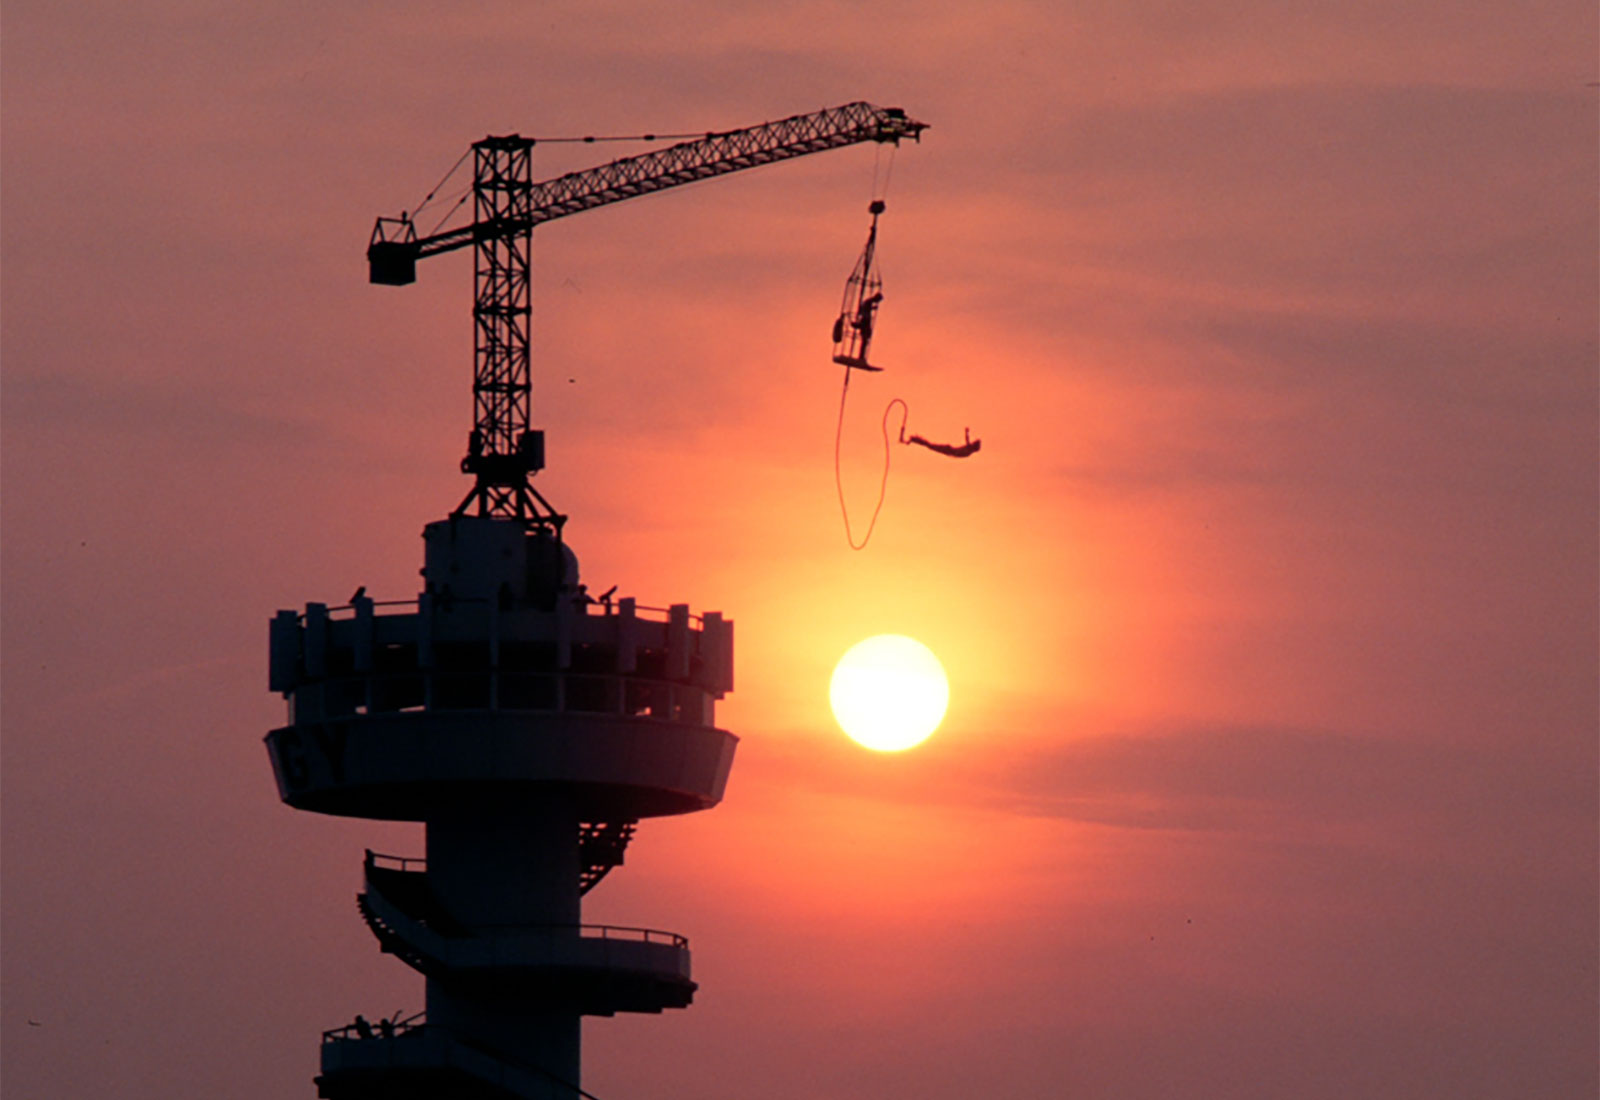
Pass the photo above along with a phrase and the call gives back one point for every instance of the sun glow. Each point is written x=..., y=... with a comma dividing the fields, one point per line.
x=889, y=692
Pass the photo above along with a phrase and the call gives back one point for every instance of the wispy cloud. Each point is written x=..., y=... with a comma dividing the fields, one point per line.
x=1283, y=782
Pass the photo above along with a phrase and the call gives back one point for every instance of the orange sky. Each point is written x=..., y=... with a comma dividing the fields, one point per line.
x=1269, y=606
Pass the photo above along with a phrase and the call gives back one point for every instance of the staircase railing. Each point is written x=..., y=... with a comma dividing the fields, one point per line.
x=413, y=1044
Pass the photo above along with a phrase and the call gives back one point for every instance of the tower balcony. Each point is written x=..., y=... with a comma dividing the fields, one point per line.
x=434, y=653
x=395, y=706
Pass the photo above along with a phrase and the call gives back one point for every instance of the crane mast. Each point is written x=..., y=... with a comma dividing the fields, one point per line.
x=503, y=449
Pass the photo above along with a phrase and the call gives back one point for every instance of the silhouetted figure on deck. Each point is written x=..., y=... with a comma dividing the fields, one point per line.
x=363, y=1028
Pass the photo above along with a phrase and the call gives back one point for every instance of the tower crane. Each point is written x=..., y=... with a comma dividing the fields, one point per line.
x=503, y=449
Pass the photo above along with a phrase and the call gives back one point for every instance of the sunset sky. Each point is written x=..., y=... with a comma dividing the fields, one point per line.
x=1269, y=606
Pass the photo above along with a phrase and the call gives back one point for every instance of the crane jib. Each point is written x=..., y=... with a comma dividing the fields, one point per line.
x=393, y=258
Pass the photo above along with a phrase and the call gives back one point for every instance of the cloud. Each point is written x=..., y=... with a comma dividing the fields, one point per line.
x=1281, y=782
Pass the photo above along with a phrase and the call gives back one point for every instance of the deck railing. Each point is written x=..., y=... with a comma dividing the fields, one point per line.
x=550, y=692
x=587, y=606
x=623, y=932
x=467, y=654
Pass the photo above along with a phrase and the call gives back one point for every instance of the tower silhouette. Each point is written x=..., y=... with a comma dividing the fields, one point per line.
x=529, y=729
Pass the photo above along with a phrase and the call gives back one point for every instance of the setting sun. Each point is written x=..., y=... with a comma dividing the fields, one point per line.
x=889, y=692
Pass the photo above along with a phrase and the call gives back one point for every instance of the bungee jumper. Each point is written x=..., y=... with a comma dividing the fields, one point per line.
x=970, y=447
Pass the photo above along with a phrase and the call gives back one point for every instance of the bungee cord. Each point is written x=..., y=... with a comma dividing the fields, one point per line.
x=838, y=473
x=969, y=446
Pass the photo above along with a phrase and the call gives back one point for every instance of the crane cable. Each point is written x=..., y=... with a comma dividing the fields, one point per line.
x=444, y=179
x=880, y=193
x=591, y=139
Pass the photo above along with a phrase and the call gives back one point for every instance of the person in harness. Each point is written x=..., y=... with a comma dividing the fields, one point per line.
x=971, y=446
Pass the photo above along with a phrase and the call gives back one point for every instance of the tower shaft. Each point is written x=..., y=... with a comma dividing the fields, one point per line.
x=507, y=863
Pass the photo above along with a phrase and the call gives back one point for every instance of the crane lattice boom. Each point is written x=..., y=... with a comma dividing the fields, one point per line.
x=503, y=449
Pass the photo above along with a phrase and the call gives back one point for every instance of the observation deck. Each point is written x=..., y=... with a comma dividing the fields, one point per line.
x=395, y=706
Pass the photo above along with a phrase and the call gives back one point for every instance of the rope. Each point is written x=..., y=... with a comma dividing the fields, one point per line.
x=838, y=474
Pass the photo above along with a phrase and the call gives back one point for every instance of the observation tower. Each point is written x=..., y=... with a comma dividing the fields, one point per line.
x=529, y=727
x=530, y=731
